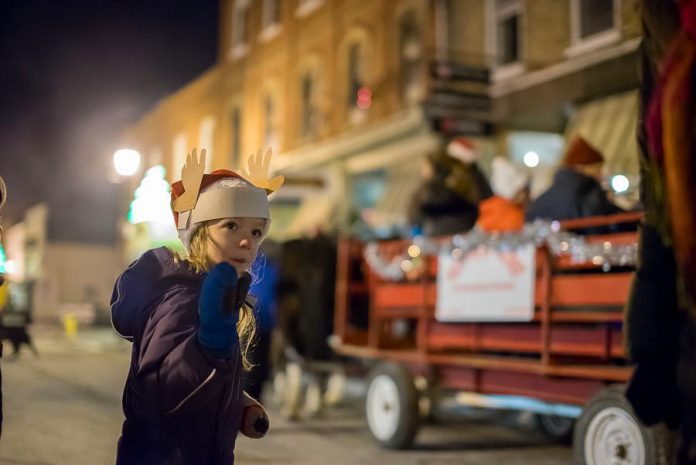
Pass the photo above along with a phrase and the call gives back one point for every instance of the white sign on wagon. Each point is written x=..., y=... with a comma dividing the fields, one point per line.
x=486, y=285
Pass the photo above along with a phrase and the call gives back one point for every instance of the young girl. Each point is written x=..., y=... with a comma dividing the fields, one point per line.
x=183, y=399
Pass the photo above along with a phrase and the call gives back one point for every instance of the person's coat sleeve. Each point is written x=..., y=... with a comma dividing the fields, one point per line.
x=652, y=331
x=175, y=373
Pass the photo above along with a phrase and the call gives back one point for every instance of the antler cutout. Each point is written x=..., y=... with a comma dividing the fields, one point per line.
x=191, y=176
x=258, y=172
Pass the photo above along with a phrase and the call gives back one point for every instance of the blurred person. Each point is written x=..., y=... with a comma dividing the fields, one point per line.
x=14, y=321
x=447, y=200
x=190, y=323
x=575, y=191
x=661, y=313
x=265, y=291
x=504, y=211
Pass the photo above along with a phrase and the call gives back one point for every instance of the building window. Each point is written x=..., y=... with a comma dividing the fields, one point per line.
x=594, y=16
x=271, y=12
x=306, y=7
x=593, y=25
x=206, y=133
x=236, y=129
x=508, y=43
x=410, y=55
x=270, y=132
x=240, y=29
x=355, y=74
x=179, y=150
x=308, y=123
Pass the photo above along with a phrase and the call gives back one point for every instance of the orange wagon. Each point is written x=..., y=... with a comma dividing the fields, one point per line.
x=567, y=364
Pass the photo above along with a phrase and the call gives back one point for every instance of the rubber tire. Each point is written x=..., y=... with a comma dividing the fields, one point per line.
x=613, y=396
x=541, y=422
x=409, y=420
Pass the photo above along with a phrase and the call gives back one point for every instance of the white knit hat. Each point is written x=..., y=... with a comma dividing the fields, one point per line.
x=186, y=234
x=508, y=179
x=200, y=197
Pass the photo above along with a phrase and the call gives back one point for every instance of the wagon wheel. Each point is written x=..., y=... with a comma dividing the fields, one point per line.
x=559, y=429
x=391, y=406
x=609, y=433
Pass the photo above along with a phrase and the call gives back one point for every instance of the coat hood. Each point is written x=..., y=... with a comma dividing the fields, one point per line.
x=143, y=282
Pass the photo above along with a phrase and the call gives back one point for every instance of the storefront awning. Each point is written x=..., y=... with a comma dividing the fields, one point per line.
x=402, y=181
x=609, y=124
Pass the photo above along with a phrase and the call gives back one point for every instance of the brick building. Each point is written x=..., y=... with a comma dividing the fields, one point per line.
x=348, y=92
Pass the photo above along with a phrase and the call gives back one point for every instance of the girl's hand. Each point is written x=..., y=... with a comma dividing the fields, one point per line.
x=255, y=423
x=218, y=325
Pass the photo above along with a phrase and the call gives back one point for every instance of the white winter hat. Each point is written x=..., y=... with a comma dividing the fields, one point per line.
x=508, y=179
x=200, y=197
x=186, y=233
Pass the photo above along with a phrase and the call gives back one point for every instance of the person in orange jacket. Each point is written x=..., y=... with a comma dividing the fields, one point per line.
x=504, y=211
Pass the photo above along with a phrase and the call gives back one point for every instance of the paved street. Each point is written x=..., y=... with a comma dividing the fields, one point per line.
x=64, y=408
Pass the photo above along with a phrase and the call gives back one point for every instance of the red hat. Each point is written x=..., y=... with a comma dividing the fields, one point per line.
x=462, y=149
x=580, y=152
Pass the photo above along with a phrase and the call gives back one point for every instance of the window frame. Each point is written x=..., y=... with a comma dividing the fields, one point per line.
x=270, y=28
x=240, y=44
x=581, y=45
x=497, y=15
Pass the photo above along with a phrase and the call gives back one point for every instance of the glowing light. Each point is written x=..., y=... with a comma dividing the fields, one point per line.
x=414, y=251
x=126, y=161
x=151, y=199
x=531, y=159
x=620, y=183
x=10, y=267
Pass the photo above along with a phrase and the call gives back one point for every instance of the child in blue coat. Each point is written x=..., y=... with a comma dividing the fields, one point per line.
x=191, y=326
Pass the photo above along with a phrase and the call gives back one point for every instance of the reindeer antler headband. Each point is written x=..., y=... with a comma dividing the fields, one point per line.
x=191, y=206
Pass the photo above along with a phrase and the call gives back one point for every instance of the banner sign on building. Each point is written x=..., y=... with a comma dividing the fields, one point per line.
x=486, y=285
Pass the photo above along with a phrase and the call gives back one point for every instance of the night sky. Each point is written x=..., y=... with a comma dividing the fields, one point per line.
x=74, y=75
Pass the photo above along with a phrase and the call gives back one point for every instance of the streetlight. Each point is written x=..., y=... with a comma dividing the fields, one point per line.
x=126, y=162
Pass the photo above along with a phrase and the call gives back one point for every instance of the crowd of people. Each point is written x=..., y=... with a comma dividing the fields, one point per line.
x=455, y=197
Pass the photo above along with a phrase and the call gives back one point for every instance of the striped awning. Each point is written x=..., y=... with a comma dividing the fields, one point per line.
x=609, y=124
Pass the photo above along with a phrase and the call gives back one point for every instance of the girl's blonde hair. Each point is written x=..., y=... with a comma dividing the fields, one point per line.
x=197, y=258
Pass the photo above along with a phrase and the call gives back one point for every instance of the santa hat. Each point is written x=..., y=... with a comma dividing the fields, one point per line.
x=507, y=179
x=580, y=152
x=202, y=197
x=462, y=149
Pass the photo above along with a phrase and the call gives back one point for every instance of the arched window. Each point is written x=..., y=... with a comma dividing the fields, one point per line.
x=270, y=128
x=236, y=135
x=309, y=116
x=355, y=73
x=410, y=56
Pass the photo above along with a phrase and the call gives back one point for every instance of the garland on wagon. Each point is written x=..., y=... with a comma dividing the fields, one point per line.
x=560, y=243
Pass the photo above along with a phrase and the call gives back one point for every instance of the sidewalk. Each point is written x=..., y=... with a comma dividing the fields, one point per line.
x=52, y=339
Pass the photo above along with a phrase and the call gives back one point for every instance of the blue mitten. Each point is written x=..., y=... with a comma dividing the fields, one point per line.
x=218, y=329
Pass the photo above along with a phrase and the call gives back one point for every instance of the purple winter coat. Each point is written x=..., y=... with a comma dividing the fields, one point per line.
x=183, y=406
